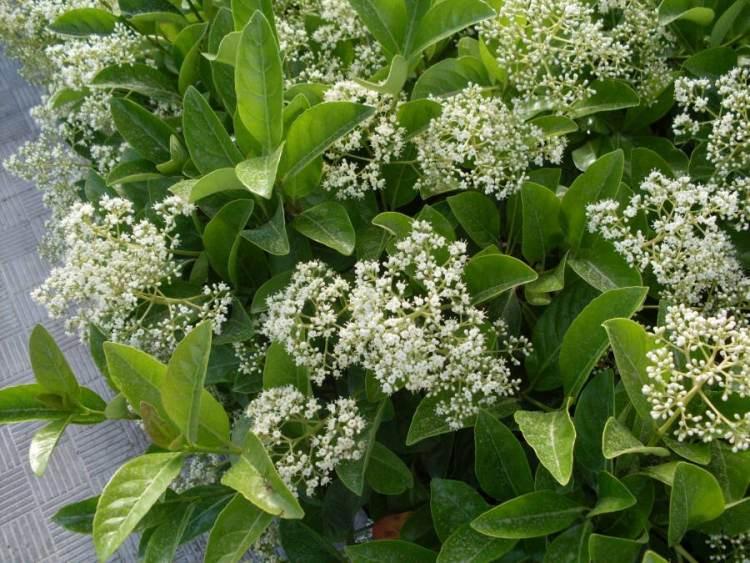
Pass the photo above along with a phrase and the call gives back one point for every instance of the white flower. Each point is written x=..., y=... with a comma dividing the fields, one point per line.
x=699, y=364
x=308, y=457
x=478, y=142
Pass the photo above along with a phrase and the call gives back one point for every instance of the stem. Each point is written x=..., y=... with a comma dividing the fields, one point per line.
x=684, y=553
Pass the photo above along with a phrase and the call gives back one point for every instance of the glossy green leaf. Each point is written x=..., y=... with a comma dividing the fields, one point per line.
x=302, y=543
x=386, y=473
x=163, y=543
x=617, y=440
x=81, y=22
x=236, y=529
x=138, y=78
x=77, y=517
x=529, y=516
x=453, y=504
x=271, y=236
x=21, y=403
x=259, y=174
x=478, y=216
x=586, y=340
x=43, y=442
x=469, y=546
x=130, y=493
x=731, y=469
x=223, y=179
x=613, y=495
x=571, y=546
x=317, y=129
x=243, y=10
x=602, y=267
x=500, y=462
x=51, y=369
x=259, y=83
x=221, y=232
x=327, y=223
x=425, y=422
x=254, y=476
x=445, y=18
x=352, y=473
x=487, y=276
x=552, y=436
x=595, y=406
x=609, y=95
x=541, y=226
x=447, y=78
x=131, y=171
x=733, y=521
x=696, y=498
x=385, y=20
x=394, y=82
x=143, y=130
x=613, y=549
x=280, y=370
x=392, y=551
x=653, y=557
x=684, y=10
x=209, y=144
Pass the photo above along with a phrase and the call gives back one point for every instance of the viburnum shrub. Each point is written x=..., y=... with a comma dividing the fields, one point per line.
x=399, y=280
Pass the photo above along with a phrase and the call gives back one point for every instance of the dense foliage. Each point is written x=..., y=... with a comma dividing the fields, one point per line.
x=399, y=280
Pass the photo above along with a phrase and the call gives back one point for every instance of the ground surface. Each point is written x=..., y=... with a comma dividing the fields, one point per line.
x=87, y=456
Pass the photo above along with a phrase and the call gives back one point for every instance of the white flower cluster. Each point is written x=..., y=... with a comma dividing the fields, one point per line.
x=251, y=355
x=729, y=549
x=112, y=271
x=701, y=361
x=553, y=49
x=728, y=125
x=688, y=252
x=312, y=53
x=306, y=457
x=355, y=162
x=204, y=469
x=478, y=142
x=409, y=322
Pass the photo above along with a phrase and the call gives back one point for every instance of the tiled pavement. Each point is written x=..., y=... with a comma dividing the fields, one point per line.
x=87, y=456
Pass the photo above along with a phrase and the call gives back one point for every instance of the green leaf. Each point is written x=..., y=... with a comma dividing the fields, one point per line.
x=271, y=236
x=426, y=422
x=397, y=75
x=209, y=144
x=726, y=22
x=731, y=469
x=600, y=181
x=223, y=179
x=453, y=503
x=280, y=370
x=77, y=517
x=478, y=216
x=133, y=171
x=488, y=275
x=237, y=528
x=602, y=267
x=327, y=223
x=386, y=473
x=51, y=369
x=683, y=10
x=500, y=462
x=302, y=543
x=243, y=10
x=385, y=20
x=733, y=521
x=445, y=18
x=552, y=437
x=259, y=174
x=696, y=498
x=554, y=125
x=21, y=403
x=81, y=22
x=143, y=130
x=259, y=83
x=572, y=546
x=165, y=539
x=586, y=340
x=139, y=78
x=352, y=473
x=531, y=515
x=275, y=284
x=630, y=342
x=222, y=231
x=469, y=546
x=254, y=476
x=617, y=440
x=397, y=224
x=43, y=442
x=447, y=78
x=609, y=95
x=614, y=550
x=541, y=226
x=317, y=129
x=392, y=551
x=613, y=495
x=595, y=405
x=185, y=400
x=652, y=557
x=130, y=493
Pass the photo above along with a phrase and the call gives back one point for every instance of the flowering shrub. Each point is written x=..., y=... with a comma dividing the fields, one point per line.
x=440, y=281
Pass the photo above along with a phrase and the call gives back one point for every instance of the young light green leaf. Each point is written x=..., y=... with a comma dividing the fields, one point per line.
x=209, y=144
x=696, y=498
x=552, y=436
x=51, y=369
x=531, y=515
x=223, y=179
x=139, y=78
x=130, y=493
x=397, y=75
x=617, y=440
x=254, y=476
x=316, y=129
x=259, y=83
x=586, y=340
x=327, y=223
x=280, y=370
x=271, y=236
x=609, y=95
x=259, y=174
x=43, y=442
x=684, y=10
x=243, y=10
x=385, y=20
x=488, y=275
x=500, y=463
x=81, y=22
x=237, y=528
